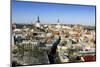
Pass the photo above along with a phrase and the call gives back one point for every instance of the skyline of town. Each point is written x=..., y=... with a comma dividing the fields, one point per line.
x=27, y=12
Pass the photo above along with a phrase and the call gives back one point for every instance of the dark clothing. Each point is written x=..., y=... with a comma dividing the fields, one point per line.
x=53, y=51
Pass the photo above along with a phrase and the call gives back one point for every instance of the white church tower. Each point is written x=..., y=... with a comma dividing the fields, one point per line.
x=37, y=24
x=58, y=26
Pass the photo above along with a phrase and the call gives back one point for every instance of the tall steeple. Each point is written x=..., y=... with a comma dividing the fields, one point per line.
x=37, y=24
x=38, y=20
x=58, y=20
x=58, y=26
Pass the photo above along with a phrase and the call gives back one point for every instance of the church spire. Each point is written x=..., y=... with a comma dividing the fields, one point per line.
x=58, y=20
x=38, y=20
